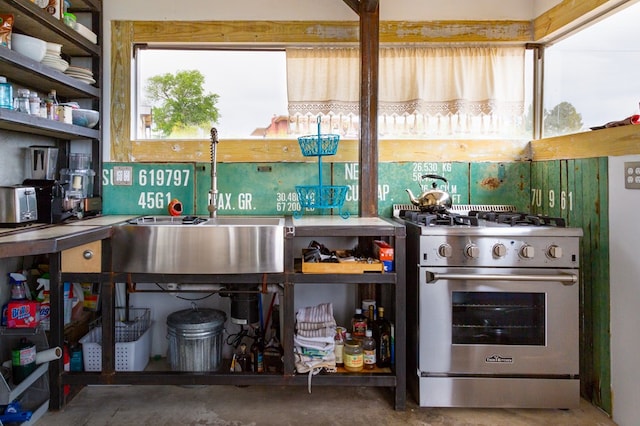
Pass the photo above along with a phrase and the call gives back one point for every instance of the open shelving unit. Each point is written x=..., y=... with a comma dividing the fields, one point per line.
x=392, y=290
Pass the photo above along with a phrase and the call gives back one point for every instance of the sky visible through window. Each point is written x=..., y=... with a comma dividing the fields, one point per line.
x=596, y=70
x=251, y=84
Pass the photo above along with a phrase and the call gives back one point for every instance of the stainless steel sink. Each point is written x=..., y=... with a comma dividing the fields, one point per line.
x=194, y=245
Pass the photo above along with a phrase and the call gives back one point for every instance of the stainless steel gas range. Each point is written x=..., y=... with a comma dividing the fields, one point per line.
x=492, y=308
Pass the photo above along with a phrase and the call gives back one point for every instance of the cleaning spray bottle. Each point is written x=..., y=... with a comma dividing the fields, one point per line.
x=19, y=291
x=45, y=301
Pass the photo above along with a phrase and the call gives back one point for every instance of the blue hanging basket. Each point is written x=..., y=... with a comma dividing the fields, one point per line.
x=316, y=145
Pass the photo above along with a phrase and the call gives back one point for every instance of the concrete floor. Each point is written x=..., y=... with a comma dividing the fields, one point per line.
x=287, y=405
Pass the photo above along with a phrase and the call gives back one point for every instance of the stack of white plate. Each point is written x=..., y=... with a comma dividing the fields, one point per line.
x=52, y=58
x=83, y=74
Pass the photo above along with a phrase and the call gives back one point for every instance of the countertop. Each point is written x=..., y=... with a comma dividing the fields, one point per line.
x=44, y=238
x=41, y=239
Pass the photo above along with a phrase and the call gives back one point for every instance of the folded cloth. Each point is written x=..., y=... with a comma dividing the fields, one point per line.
x=322, y=344
x=313, y=366
x=321, y=313
x=323, y=332
x=315, y=325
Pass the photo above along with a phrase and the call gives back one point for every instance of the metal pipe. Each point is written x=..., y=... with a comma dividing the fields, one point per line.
x=213, y=192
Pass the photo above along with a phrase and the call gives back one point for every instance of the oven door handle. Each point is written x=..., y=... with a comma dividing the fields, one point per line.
x=566, y=279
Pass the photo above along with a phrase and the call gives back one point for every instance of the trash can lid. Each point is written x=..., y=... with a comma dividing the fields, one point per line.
x=197, y=319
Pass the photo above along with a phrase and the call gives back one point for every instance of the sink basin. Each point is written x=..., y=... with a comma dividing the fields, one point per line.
x=194, y=245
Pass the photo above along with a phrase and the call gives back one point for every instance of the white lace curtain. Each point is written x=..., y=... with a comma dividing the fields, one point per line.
x=423, y=91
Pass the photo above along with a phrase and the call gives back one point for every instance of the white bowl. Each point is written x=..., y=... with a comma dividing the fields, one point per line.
x=85, y=117
x=28, y=46
x=54, y=48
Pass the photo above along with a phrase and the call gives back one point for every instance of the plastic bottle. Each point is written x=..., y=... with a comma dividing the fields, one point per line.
x=369, y=351
x=382, y=334
x=6, y=94
x=45, y=302
x=358, y=325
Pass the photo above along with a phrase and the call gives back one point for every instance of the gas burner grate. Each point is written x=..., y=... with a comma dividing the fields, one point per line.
x=438, y=218
x=520, y=219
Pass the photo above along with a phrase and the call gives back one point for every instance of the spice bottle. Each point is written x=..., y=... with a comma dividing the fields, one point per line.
x=353, y=356
x=358, y=325
x=369, y=351
x=52, y=105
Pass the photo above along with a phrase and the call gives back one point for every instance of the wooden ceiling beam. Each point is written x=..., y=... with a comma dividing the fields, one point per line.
x=354, y=5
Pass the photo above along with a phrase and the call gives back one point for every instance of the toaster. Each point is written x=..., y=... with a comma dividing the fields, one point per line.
x=18, y=204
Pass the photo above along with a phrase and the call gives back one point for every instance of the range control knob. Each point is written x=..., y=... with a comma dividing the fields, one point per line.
x=472, y=251
x=445, y=250
x=527, y=251
x=554, y=252
x=499, y=250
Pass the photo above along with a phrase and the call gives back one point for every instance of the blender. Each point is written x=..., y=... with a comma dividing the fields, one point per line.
x=77, y=181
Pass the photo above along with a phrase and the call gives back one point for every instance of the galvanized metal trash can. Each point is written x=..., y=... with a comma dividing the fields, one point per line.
x=195, y=339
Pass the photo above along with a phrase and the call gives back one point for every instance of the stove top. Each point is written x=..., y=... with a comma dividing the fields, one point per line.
x=497, y=220
x=478, y=218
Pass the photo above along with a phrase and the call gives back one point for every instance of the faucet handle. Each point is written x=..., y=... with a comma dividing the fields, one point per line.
x=214, y=135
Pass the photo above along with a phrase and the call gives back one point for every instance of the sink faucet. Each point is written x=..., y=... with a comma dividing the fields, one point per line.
x=213, y=192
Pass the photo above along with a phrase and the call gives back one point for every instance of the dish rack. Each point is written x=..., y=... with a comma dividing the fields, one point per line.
x=320, y=196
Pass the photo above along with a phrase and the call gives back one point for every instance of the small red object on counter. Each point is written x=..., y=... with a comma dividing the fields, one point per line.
x=175, y=207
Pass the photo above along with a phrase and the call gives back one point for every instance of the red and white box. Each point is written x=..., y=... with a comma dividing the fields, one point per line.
x=384, y=251
x=23, y=314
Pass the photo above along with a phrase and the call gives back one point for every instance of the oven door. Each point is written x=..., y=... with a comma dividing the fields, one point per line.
x=490, y=321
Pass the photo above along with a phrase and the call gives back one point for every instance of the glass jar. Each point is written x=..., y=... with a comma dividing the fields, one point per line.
x=21, y=102
x=6, y=94
x=353, y=356
x=34, y=103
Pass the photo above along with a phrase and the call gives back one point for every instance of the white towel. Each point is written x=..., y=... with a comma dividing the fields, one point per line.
x=320, y=343
x=321, y=313
x=315, y=325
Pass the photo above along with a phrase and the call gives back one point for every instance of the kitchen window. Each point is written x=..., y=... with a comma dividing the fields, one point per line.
x=250, y=84
x=590, y=78
x=472, y=92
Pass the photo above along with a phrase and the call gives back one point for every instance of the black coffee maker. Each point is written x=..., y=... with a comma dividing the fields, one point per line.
x=51, y=201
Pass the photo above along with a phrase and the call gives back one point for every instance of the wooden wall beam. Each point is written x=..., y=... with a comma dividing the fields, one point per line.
x=368, y=158
x=562, y=15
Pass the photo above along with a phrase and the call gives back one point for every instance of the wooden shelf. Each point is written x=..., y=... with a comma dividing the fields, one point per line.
x=36, y=75
x=26, y=123
x=30, y=19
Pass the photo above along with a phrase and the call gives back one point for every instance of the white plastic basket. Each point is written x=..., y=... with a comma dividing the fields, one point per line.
x=129, y=356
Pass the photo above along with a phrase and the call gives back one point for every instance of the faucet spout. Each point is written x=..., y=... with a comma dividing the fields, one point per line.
x=213, y=192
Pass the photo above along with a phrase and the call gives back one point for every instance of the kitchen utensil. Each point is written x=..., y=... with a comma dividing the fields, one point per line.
x=433, y=199
x=43, y=162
